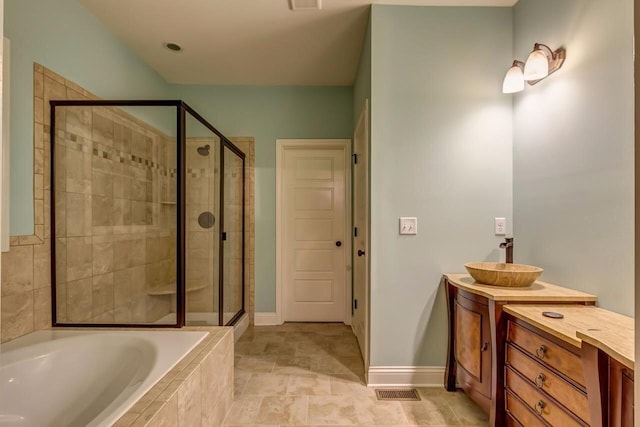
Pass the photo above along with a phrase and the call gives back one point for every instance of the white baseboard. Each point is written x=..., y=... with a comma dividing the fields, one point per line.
x=405, y=376
x=240, y=327
x=266, y=319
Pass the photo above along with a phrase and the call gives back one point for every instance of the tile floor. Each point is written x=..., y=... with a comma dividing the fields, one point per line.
x=310, y=374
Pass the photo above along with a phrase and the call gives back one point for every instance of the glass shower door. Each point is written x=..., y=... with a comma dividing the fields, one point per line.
x=233, y=244
x=202, y=213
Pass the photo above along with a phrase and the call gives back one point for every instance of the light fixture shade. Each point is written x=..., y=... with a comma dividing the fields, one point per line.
x=537, y=65
x=513, y=80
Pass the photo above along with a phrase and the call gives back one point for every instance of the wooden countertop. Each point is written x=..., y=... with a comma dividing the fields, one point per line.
x=617, y=343
x=609, y=331
x=538, y=291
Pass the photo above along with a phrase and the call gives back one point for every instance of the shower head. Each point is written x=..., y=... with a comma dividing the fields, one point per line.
x=204, y=150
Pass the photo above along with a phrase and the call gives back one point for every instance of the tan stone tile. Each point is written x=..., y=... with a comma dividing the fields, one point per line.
x=350, y=385
x=292, y=365
x=102, y=294
x=61, y=303
x=250, y=348
x=309, y=385
x=42, y=309
x=282, y=349
x=244, y=410
x=79, y=304
x=167, y=416
x=38, y=85
x=428, y=413
x=337, y=365
x=219, y=412
x=79, y=258
x=371, y=411
x=332, y=410
x=61, y=261
x=38, y=110
x=17, y=270
x=17, y=315
x=79, y=121
x=77, y=215
x=102, y=255
x=101, y=211
x=257, y=364
x=266, y=384
x=240, y=380
x=190, y=401
x=283, y=410
x=38, y=161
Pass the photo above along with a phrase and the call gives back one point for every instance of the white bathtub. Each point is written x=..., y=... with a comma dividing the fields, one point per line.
x=83, y=378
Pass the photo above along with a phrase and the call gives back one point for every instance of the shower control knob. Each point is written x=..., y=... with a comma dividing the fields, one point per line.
x=338, y=243
x=361, y=252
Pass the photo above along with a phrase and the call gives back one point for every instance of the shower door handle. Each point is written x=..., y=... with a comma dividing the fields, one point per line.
x=361, y=252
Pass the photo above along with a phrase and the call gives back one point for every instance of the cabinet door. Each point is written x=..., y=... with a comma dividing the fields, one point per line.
x=620, y=395
x=473, y=346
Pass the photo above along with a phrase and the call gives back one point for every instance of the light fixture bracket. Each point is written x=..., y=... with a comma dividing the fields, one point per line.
x=556, y=59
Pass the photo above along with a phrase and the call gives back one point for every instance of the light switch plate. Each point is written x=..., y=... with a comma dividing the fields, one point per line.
x=408, y=225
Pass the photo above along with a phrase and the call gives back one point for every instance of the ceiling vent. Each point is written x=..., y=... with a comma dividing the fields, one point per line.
x=305, y=4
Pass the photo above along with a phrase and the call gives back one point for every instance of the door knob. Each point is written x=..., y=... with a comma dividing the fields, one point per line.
x=360, y=252
x=338, y=243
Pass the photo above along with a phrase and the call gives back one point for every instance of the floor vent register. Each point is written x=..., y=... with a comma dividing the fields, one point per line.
x=397, y=394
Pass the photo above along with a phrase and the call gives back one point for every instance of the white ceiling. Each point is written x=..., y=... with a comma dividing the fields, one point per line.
x=249, y=42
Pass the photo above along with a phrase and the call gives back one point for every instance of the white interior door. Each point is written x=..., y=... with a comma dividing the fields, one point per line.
x=313, y=231
x=360, y=321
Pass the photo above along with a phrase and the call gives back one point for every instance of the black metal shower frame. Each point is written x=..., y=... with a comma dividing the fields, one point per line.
x=181, y=115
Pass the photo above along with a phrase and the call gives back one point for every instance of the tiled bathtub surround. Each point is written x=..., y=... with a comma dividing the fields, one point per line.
x=26, y=269
x=198, y=391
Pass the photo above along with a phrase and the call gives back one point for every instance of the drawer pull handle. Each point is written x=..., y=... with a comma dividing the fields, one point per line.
x=540, y=407
x=484, y=346
x=541, y=351
x=540, y=380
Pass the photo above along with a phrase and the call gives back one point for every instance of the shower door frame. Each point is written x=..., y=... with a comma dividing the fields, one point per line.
x=182, y=109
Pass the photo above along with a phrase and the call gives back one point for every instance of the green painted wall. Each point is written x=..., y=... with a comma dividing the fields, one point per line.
x=68, y=39
x=362, y=84
x=441, y=150
x=270, y=113
x=574, y=149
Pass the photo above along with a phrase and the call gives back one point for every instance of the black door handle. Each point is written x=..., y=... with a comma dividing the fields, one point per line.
x=338, y=243
x=360, y=252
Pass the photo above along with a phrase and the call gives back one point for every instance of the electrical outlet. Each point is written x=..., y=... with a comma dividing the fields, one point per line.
x=408, y=225
x=500, y=226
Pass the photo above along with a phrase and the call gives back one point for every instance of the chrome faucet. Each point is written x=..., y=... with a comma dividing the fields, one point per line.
x=508, y=245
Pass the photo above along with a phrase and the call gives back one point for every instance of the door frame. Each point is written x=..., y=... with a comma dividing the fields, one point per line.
x=282, y=145
x=363, y=120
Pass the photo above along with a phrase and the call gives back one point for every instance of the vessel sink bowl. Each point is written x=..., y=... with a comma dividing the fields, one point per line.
x=502, y=274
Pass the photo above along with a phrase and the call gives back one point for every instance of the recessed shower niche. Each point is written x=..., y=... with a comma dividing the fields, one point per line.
x=148, y=206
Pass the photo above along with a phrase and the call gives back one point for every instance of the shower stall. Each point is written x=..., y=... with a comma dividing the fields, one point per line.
x=148, y=207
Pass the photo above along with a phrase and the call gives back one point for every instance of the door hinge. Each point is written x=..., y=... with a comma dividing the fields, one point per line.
x=355, y=304
x=355, y=231
x=355, y=158
x=224, y=235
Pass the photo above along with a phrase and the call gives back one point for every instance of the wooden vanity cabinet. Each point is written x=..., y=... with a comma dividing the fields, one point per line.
x=473, y=347
x=545, y=376
x=610, y=388
x=477, y=336
x=620, y=395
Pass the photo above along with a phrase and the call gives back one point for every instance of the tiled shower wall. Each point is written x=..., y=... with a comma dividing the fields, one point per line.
x=26, y=268
x=203, y=192
x=115, y=237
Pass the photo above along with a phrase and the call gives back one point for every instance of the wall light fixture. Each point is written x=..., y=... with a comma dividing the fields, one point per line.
x=542, y=62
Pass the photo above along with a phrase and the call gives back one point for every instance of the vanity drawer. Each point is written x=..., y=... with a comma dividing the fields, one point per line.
x=572, y=398
x=544, y=406
x=519, y=414
x=564, y=361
